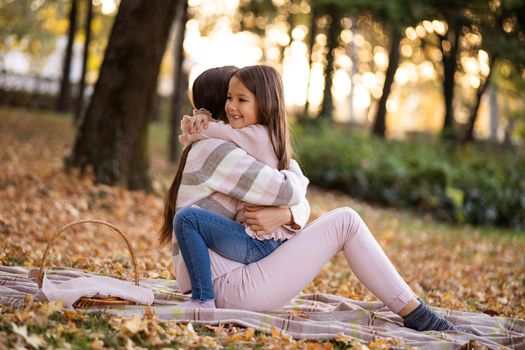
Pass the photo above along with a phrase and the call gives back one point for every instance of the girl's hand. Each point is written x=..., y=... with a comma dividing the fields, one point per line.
x=185, y=124
x=265, y=220
x=192, y=124
x=198, y=122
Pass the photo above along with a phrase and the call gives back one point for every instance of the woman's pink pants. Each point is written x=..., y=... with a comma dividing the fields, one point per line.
x=273, y=281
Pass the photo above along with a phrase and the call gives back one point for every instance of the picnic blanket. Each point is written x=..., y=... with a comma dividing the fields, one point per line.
x=308, y=316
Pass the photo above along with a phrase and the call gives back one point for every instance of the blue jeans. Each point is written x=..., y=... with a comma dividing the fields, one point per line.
x=198, y=229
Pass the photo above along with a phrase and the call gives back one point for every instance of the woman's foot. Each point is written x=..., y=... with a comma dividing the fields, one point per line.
x=424, y=319
x=196, y=304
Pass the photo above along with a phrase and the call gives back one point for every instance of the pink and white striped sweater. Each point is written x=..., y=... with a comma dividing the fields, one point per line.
x=218, y=175
x=255, y=140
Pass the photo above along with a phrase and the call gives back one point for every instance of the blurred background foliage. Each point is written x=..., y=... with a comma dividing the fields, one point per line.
x=481, y=184
x=418, y=105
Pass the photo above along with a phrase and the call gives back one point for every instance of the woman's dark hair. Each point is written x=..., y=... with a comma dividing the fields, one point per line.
x=209, y=91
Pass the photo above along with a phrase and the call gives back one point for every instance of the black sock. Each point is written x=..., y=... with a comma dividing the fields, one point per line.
x=424, y=319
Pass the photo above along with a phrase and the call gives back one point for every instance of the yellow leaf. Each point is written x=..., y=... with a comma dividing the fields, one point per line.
x=72, y=314
x=33, y=340
x=378, y=343
x=314, y=346
x=341, y=337
x=149, y=313
x=28, y=299
x=236, y=337
x=249, y=334
x=275, y=333
x=53, y=306
x=97, y=344
x=135, y=325
x=328, y=346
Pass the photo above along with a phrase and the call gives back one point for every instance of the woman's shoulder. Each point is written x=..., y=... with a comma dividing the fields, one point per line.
x=211, y=143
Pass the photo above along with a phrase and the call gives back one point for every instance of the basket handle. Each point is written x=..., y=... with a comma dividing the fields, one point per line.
x=65, y=227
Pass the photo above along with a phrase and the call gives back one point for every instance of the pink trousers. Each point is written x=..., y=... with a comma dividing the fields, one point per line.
x=273, y=281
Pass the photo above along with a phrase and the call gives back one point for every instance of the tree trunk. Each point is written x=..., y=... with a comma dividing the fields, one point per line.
x=379, y=128
x=180, y=81
x=64, y=96
x=311, y=42
x=85, y=56
x=469, y=132
x=351, y=54
x=494, y=113
x=449, y=70
x=333, y=41
x=112, y=135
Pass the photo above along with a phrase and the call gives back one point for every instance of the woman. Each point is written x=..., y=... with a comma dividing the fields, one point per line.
x=270, y=283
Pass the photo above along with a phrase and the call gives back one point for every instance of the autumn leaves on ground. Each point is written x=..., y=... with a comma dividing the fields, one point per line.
x=462, y=268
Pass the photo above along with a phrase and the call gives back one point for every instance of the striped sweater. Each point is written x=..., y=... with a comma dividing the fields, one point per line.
x=255, y=140
x=218, y=175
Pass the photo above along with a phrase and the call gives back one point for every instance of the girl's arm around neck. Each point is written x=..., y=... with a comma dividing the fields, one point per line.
x=254, y=139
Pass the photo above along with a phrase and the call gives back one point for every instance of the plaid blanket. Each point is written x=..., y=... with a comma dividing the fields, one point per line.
x=308, y=316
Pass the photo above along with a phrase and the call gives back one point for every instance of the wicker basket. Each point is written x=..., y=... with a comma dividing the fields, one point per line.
x=88, y=302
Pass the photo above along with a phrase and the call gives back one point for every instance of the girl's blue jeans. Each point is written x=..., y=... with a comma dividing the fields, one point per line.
x=198, y=229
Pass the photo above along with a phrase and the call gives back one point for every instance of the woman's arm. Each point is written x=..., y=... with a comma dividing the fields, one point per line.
x=300, y=215
x=223, y=167
x=267, y=220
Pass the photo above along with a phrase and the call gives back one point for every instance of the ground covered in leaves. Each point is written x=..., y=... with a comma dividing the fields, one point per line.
x=462, y=268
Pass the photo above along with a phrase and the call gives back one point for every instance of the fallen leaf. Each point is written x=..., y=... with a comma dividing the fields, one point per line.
x=250, y=332
x=34, y=340
x=275, y=333
x=135, y=324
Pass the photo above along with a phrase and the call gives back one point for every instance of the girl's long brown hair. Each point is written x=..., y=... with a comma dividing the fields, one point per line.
x=267, y=86
x=209, y=91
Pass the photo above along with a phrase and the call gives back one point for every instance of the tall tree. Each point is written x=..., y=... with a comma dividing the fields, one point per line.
x=334, y=30
x=501, y=38
x=454, y=13
x=312, y=32
x=450, y=48
x=379, y=125
x=85, y=56
x=180, y=79
x=112, y=136
x=469, y=132
x=64, y=96
x=394, y=16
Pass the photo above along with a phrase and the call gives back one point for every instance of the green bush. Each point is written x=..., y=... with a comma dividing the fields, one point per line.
x=478, y=184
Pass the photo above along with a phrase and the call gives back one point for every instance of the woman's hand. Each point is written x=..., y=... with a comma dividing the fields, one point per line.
x=265, y=220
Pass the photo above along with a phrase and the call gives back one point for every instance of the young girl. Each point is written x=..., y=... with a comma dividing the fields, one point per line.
x=255, y=140
x=197, y=229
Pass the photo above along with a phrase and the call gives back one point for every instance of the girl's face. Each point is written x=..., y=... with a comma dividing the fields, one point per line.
x=241, y=105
